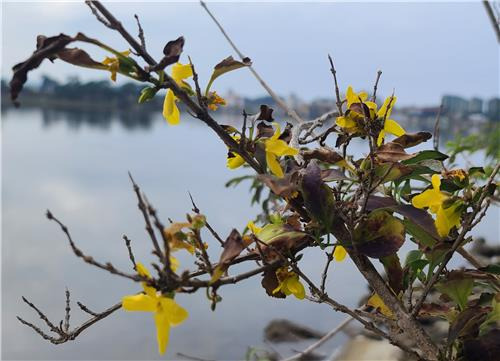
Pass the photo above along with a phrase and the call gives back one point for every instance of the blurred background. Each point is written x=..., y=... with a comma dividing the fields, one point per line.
x=70, y=145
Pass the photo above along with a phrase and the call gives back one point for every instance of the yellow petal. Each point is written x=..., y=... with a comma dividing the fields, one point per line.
x=235, y=162
x=274, y=165
x=391, y=126
x=142, y=270
x=429, y=198
x=277, y=289
x=162, y=331
x=346, y=122
x=296, y=287
x=339, y=253
x=380, y=138
x=253, y=228
x=446, y=219
x=280, y=147
x=277, y=132
x=376, y=302
x=175, y=314
x=436, y=182
x=386, y=109
x=139, y=302
x=181, y=71
x=174, y=263
x=170, y=110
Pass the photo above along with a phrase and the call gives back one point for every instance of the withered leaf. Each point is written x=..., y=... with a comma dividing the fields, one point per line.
x=419, y=217
x=79, y=57
x=330, y=175
x=46, y=49
x=172, y=52
x=409, y=140
x=283, y=187
x=286, y=135
x=264, y=130
x=391, y=171
x=392, y=152
x=270, y=283
x=380, y=235
x=234, y=245
x=466, y=324
x=227, y=65
x=266, y=113
x=484, y=348
x=279, y=238
x=318, y=197
x=323, y=154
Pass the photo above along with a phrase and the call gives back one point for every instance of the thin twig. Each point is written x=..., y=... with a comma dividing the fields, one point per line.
x=321, y=341
x=375, y=87
x=89, y=259
x=141, y=32
x=436, y=128
x=130, y=253
x=273, y=95
x=493, y=19
x=67, y=312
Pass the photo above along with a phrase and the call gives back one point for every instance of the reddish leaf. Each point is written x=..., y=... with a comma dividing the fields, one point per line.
x=409, y=140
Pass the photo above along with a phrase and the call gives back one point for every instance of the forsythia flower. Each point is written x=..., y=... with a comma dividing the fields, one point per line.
x=390, y=125
x=339, y=253
x=113, y=64
x=166, y=311
x=214, y=100
x=276, y=148
x=350, y=121
x=446, y=218
x=234, y=160
x=289, y=283
x=170, y=110
x=253, y=228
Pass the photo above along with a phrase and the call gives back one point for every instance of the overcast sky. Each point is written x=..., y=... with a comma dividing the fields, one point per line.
x=424, y=49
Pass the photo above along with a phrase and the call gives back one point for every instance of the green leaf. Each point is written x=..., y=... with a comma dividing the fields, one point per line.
x=491, y=268
x=458, y=289
x=226, y=65
x=425, y=155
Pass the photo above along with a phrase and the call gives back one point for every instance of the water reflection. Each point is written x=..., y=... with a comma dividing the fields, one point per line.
x=82, y=177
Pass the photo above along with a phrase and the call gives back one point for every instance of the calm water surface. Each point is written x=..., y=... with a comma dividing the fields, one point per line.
x=78, y=170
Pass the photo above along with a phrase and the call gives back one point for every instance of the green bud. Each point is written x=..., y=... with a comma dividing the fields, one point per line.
x=147, y=94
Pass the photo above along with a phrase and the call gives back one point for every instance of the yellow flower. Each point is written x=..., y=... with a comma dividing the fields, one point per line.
x=170, y=110
x=390, y=125
x=113, y=64
x=350, y=121
x=214, y=100
x=353, y=97
x=289, y=283
x=166, y=311
x=446, y=218
x=234, y=160
x=339, y=253
x=253, y=228
x=276, y=148
x=376, y=302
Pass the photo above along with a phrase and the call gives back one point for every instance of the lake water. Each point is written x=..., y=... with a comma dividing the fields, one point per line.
x=78, y=169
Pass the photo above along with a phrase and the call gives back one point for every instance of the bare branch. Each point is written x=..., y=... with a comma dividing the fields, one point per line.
x=130, y=253
x=141, y=32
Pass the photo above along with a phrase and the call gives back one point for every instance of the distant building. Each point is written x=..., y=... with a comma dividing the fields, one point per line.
x=454, y=105
x=493, y=110
x=475, y=106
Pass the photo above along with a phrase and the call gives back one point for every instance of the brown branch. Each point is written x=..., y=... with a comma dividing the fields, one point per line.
x=89, y=259
x=375, y=87
x=130, y=253
x=63, y=332
x=337, y=91
x=435, y=139
x=141, y=32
